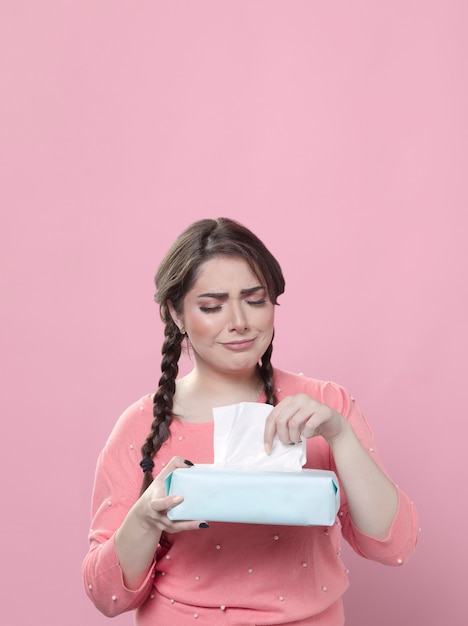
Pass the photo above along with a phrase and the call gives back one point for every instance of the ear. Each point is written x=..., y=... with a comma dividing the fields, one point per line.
x=177, y=319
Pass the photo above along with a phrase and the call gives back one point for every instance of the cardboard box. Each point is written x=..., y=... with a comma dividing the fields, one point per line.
x=306, y=498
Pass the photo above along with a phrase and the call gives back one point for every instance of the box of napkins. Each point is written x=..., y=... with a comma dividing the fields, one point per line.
x=246, y=485
x=305, y=498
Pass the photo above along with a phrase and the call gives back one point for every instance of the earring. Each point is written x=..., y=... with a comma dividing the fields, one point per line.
x=182, y=330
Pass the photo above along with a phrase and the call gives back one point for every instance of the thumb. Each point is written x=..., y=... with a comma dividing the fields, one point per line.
x=164, y=504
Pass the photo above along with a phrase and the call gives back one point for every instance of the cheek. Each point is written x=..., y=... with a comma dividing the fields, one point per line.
x=203, y=325
x=268, y=319
x=265, y=325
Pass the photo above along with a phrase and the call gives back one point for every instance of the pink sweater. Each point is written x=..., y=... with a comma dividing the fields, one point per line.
x=231, y=574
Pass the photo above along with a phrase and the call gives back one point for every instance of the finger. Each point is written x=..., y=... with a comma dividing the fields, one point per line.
x=326, y=423
x=311, y=427
x=298, y=424
x=175, y=463
x=161, y=505
x=289, y=421
x=283, y=425
x=295, y=429
x=181, y=526
x=277, y=422
x=278, y=425
x=270, y=431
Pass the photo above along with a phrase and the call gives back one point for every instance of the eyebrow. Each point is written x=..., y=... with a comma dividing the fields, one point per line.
x=225, y=294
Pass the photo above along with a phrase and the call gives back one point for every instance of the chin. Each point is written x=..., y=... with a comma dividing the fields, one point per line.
x=245, y=366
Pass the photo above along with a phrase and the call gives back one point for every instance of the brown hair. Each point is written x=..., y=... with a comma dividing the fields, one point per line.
x=176, y=275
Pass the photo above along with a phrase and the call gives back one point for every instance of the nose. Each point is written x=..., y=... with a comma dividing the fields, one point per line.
x=238, y=318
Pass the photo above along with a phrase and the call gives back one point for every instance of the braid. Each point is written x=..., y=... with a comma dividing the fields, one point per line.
x=266, y=372
x=163, y=399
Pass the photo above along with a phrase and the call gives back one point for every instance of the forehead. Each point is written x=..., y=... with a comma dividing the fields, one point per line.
x=225, y=273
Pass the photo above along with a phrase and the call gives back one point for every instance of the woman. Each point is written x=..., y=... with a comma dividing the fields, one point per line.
x=217, y=288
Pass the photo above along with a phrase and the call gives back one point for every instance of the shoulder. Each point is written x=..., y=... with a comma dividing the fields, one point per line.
x=134, y=423
x=328, y=392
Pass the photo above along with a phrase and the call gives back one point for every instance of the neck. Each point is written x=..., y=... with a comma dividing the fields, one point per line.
x=230, y=386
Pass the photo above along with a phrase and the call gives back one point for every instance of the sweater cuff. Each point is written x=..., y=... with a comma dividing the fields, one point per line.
x=108, y=590
x=400, y=542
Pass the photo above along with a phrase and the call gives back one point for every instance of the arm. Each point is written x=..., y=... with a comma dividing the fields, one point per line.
x=115, y=490
x=138, y=537
x=372, y=498
x=119, y=567
x=399, y=543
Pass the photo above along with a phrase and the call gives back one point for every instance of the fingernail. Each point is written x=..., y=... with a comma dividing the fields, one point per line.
x=189, y=463
x=203, y=525
x=267, y=448
x=177, y=499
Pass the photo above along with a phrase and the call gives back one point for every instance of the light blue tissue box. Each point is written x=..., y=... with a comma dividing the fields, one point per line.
x=306, y=498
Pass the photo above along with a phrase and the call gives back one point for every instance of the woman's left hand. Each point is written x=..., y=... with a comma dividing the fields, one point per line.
x=302, y=415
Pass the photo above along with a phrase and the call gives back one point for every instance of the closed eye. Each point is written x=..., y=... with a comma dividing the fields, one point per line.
x=210, y=309
x=256, y=302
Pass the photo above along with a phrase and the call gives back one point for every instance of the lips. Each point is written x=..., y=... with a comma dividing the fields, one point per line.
x=239, y=345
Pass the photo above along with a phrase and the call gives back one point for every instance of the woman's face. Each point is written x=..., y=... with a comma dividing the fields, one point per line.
x=227, y=316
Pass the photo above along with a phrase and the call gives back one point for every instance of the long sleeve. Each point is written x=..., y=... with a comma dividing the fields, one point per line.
x=402, y=537
x=116, y=488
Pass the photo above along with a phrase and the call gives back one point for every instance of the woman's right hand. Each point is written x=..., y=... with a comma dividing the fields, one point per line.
x=154, y=504
x=140, y=533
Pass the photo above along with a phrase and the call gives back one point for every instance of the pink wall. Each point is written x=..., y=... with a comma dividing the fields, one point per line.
x=338, y=132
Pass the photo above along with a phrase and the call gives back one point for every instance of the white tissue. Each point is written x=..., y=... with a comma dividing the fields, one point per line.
x=239, y=440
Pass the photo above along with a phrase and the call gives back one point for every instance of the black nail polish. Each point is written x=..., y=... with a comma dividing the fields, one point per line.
x=203, y=525
x=189, y=463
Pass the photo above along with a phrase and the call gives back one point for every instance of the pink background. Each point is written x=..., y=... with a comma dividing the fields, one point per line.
x=335, y=130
